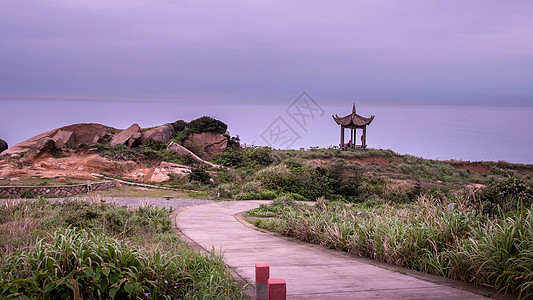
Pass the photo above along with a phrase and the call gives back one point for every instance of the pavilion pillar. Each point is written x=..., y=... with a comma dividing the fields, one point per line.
x=363, y=140
x=342, y=137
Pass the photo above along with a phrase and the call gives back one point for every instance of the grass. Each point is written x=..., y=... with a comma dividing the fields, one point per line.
x=450, y=237
x=354, y=176
x=94, y=250
x=40, y=181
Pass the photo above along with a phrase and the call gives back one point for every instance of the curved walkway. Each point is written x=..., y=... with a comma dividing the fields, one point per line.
x=311, y=272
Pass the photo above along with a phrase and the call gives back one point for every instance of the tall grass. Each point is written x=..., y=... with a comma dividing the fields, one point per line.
x=451, y=240
x=77, y=250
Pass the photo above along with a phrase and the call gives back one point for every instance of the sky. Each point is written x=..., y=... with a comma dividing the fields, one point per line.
x=63, y=55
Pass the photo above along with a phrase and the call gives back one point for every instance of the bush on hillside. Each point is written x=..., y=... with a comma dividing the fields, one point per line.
x=207, y=124
x=179, y=125
x=199, y=175
x=250, y=157
x=334, y=182
x=504, y=196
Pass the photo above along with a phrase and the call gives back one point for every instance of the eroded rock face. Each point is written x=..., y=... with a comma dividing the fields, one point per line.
x=3, y=145
x=79, y=166
x=162, y=171
x=64, y=138
x=44, y=145
x=129, y=137
x=161, y=134
x=210, y=143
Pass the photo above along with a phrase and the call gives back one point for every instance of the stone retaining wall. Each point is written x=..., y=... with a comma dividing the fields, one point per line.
x=64, y=190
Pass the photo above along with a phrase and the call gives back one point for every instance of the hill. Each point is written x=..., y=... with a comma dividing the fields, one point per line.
x=78, y=150
x=200, y=155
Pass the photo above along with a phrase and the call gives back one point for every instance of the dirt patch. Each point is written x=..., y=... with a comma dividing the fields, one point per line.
x=474, y=168
x=397, y=159
x=373, y=160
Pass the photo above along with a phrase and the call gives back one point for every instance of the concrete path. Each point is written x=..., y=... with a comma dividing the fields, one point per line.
x=311, y=272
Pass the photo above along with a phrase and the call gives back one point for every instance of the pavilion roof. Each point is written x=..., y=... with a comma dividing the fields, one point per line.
x=353, y=119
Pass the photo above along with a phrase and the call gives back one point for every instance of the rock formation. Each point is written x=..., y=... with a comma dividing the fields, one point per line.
x=161, y=172
x=37, y=156
x=210, y=143
x=130, y=137
x=44, y=145
x=82, y=133
x=64, y=139
x=161, y=134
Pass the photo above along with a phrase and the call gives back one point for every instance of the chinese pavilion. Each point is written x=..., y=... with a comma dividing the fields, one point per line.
x=353, y=122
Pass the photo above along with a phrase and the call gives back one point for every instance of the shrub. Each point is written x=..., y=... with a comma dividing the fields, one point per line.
x=154, y=145
x=179, y=125
x=227, y=190
x=207, y=124
x=253, y=186
x=334, y=182
x=294, y=196
x=265, y=195
x=27, y=194
x=504, y=196
x=251, y=157
x=199, y=175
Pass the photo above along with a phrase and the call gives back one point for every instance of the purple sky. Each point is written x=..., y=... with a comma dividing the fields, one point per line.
x=57, y=57
x=437, y=52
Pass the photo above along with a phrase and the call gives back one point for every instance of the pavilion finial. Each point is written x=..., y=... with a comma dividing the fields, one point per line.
x=353, y=109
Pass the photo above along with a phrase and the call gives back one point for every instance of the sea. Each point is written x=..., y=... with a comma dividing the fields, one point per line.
x=468, y=133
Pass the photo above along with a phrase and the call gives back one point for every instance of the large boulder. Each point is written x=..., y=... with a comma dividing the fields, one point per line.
x=87, y=132
x=43, y=146
x=81, y=133
x=130, y=137
x=209, y=143
x=64, y=138
x=102, y=138
x=3, y=145
x=161, y=134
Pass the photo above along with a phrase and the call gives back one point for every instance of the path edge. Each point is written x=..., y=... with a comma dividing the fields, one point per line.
x=248, y=287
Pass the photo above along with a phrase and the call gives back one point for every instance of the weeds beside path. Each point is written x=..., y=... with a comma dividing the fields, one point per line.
x=446, y=239
x=92, y=249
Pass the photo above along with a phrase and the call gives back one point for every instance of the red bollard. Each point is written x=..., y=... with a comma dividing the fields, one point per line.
x=277, y=289
x=262, y=273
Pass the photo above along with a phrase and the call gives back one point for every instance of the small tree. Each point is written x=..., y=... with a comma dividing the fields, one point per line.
x=199, y=175
x=207, y=124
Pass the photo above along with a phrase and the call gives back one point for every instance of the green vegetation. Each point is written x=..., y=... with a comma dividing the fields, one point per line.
x=373, y=175
x=77, y=249
x=251, y=157
x=484, y=238
x=207, y=124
